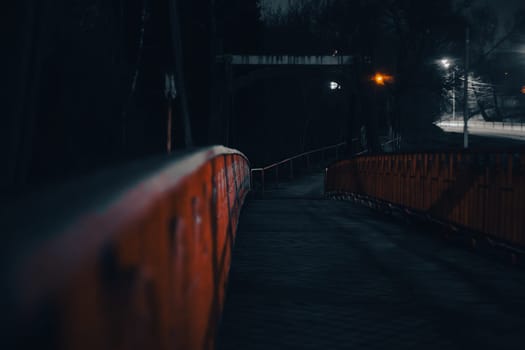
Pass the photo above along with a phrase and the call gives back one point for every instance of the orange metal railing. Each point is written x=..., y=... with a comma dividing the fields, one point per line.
x=144, y=269
x=483, y=192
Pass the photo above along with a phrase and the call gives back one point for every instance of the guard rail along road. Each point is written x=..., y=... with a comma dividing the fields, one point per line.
x=480, y=192
x=135, y=258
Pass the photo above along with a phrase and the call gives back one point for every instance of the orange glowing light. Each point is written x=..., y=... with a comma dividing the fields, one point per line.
x=523, y=89
x=381, y=79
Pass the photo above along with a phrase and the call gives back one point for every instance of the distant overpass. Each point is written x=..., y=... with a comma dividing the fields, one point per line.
x=227, y=82
x=279, y=60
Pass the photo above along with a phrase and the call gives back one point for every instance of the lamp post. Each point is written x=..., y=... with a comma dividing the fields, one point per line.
x=465, y=88
x=383, y=81
x=453, y=94
x=447, y=64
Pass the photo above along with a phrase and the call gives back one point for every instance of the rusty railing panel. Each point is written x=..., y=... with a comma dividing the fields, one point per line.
x=483, y=192
x=145, y=266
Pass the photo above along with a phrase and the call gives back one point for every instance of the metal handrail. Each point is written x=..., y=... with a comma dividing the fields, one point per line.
x=291, y=159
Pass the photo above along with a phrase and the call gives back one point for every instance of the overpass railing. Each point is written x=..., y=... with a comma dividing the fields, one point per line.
x=134, y=258
x=289, y=163
x=482, y=192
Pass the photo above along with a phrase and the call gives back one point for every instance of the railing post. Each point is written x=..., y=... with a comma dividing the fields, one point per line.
x=262, y=179
x=325, y=180
x=307, y=162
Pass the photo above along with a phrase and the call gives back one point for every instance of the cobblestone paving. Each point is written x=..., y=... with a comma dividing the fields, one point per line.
x=320, y=274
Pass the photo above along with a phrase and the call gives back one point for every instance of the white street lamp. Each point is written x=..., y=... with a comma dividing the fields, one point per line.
x=335, y=85
x=447, y=64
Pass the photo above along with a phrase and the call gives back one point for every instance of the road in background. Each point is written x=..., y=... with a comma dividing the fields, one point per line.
x=515, y=131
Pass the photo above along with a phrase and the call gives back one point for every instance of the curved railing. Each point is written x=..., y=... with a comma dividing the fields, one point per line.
x=483, y=192
x=289, y=162
x=134, y=258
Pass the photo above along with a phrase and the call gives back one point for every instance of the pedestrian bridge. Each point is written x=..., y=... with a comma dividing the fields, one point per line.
x=388, y=251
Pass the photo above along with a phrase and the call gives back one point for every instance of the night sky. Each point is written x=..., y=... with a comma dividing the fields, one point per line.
x=506, y=10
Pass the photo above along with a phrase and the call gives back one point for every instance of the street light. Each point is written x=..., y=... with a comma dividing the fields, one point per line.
x=335, y=85
x=445, y=62
x=382, y=79
x=383, y=82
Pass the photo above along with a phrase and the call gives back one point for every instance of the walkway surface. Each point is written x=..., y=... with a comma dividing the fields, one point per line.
x=310, y=273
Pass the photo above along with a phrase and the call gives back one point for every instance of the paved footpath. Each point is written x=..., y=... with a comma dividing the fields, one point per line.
x=310, y=273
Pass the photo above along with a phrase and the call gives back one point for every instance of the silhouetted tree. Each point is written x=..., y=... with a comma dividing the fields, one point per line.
x=87, y=85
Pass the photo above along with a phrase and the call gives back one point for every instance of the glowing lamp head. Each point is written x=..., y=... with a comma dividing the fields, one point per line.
x=523, y=89
x=335, y=86
x=379, y=79
x=445, y=63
